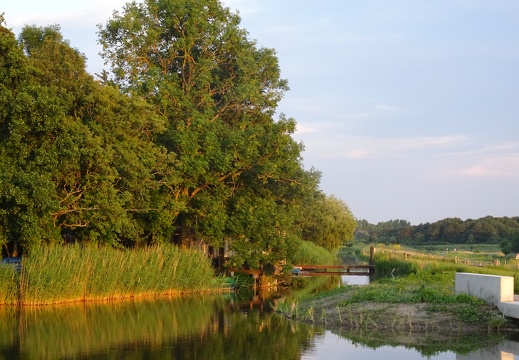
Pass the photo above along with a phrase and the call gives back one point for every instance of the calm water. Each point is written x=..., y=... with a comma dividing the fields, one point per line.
x=205, y=327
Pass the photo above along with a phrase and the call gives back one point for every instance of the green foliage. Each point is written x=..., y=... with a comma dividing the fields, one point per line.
x=241, y=170
x=78, y=158
x=327, y=221
x=386, y=266
x=9, y=284
x=308, y=253
x=55, y=274
x=180, y=136
x=447, y=231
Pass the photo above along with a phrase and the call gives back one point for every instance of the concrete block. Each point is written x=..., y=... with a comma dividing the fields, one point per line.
x=492, y=288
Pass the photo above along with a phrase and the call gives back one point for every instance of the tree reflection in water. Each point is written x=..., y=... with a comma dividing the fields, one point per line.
x=237, y=326
x=183, y=328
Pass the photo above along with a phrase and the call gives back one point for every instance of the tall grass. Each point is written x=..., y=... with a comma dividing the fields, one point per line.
x=56, y=274
x=308, y=253
x=9, y=284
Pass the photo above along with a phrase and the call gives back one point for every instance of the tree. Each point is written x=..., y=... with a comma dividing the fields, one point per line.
x=27, y=110
x=327, y=221
x=111, y=173
x=78, y=160
x=218, y=93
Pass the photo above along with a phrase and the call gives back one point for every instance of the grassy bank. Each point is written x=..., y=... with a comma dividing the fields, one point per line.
x=408, y=294
x=57, y=274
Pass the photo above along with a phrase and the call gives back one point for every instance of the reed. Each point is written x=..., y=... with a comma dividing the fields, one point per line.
x=9, y=284
x=310, y=253
x=57, y=274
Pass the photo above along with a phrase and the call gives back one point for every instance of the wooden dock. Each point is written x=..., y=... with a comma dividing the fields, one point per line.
x=316, y=270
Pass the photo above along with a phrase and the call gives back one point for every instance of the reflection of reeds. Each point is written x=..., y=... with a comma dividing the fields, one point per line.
x=55, y=274
x=165, y=328
x=87, y=328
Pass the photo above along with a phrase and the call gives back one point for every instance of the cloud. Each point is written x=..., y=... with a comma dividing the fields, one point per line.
x=474, y=171
x=492, y=166
x=357, y=154
x=428, y=141
x=362, y=147
x=304, y=129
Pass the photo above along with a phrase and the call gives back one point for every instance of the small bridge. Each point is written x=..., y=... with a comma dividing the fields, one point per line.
x=316, y=270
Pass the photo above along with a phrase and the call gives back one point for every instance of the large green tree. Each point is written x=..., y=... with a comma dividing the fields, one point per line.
x=218, y=92
x=77, y=158
x=28, y=112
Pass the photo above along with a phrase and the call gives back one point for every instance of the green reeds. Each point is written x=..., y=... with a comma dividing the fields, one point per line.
x=56, y=274
x=310, y=253
x=9, y=284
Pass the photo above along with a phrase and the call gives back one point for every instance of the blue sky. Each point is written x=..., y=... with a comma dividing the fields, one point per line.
x=408, y=108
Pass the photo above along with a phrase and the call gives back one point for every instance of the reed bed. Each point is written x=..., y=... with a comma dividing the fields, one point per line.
x=9, y=284
x=58, y=274
x=310, y=253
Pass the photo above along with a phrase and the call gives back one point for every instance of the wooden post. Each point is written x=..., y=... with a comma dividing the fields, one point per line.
x=371, y=254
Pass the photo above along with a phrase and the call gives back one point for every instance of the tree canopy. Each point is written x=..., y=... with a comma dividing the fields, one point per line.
x=179, y=136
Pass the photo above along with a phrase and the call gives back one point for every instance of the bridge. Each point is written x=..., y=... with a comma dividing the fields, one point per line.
x=316, y=270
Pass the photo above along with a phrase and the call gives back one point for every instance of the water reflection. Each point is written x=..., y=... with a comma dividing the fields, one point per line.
x=506, y=350
x=355, y=280
x=331, y=346
x=210, y=327
x=184, y=328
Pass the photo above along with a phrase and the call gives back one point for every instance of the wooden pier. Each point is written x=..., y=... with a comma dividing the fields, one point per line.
x=316, y=270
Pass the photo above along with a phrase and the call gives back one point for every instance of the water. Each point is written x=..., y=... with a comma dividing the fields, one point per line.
x=206, y=327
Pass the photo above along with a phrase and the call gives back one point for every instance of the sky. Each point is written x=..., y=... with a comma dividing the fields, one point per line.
x=408, y=108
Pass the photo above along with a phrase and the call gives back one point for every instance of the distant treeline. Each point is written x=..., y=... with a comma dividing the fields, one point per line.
x=503, y=230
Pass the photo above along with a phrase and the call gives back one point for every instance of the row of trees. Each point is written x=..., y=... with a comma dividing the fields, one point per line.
x=451, y=230
x=178, y=137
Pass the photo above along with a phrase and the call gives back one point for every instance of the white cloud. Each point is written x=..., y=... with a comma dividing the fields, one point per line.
x=357, y=154
x=493, y=166
x=361, y=147
x=428, y=141
x=304, y=129
x=474, y=171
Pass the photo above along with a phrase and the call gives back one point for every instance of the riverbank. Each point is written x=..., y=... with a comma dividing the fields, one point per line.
x=336, y=312
x=410, y=301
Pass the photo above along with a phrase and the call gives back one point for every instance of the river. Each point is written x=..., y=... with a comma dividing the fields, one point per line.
x=203, y=327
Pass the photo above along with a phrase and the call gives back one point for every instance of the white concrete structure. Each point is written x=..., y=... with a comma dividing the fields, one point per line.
x=496, y=290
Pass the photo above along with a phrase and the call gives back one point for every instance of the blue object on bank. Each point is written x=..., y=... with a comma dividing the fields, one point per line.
x=16, y=262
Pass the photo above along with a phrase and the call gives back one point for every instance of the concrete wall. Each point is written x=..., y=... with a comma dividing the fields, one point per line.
x=492, y=288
